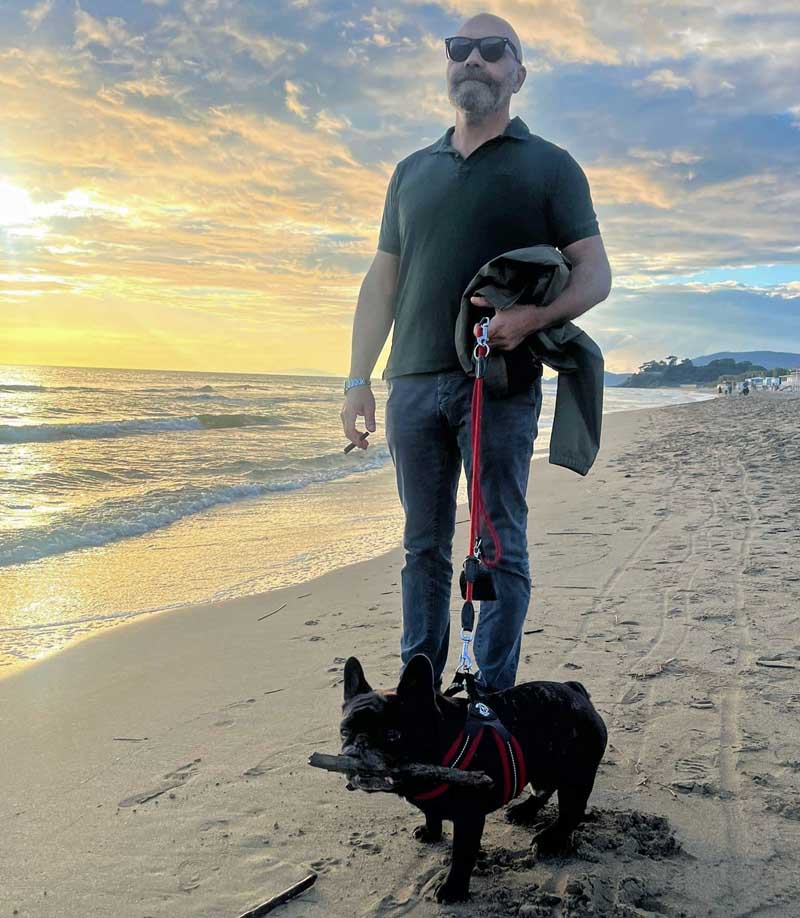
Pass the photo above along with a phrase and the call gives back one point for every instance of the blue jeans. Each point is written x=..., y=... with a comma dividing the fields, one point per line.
x=428, y=431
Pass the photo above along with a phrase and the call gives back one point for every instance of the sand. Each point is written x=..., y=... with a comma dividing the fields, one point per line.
x=159, y=769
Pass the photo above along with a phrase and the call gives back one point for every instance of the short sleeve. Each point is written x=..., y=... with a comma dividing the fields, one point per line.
x=389, y=237
x=570, y=208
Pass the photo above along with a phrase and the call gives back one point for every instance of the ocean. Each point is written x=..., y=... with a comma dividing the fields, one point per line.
x=128, y=492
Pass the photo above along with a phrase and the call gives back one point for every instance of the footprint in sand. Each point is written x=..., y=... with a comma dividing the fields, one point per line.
x=408, y=897
x=240, y=704
x=324, y=864
x=261, y=768
x=254, y=841
x=172, y=779
x=694, y=776
x=209, y=824
x=188, y=876
x=363, y=843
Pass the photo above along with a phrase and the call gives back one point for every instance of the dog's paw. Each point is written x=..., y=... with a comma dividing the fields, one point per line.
x=551, y=841
x=523, y=813
x=451, y=891
x=426, y=834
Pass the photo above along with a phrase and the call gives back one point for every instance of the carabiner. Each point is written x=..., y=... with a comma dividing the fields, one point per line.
x=482, y=340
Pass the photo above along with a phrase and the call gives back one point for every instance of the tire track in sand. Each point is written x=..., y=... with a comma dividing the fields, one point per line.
x=730, y=739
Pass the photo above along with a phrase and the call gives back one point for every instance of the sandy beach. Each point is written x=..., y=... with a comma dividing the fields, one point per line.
x=159, y=769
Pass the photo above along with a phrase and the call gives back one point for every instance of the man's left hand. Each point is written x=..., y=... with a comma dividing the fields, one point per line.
x=508, y=328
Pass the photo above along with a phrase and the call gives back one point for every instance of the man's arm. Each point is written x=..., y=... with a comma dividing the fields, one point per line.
x=373, y=319
x=374, y=313
x=589, y=284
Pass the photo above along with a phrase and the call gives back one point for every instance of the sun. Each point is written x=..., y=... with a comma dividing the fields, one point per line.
x=16, y=207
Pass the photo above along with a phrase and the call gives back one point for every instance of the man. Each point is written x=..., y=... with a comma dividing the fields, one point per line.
x=486, y=187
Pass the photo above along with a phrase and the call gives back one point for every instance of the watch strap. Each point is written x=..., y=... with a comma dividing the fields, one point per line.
x=353, y=381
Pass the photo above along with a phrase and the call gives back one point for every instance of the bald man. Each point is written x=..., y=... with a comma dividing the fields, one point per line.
x=487, y=186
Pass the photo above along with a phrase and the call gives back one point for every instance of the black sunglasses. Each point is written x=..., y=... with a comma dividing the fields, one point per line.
x=491, y=48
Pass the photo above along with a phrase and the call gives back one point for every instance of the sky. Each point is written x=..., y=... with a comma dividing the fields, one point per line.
x=198, y=184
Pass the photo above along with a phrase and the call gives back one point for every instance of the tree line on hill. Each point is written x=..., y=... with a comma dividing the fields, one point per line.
x=671, y=372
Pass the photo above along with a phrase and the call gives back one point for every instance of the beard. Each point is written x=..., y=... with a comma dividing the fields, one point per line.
x=478, y=96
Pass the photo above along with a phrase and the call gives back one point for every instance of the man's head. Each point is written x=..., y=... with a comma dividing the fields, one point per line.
x=478, y=87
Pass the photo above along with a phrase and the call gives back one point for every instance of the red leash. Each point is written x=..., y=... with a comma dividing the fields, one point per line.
x=480, y=353
x=464, y=678
x=478, y=507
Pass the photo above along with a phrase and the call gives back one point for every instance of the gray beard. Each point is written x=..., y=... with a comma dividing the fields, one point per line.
x=476, y=99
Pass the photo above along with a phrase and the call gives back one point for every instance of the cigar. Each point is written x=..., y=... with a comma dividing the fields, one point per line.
x=360, y=440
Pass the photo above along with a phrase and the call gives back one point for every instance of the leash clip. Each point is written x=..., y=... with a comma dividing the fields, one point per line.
x=483, y=337
x=482, y=341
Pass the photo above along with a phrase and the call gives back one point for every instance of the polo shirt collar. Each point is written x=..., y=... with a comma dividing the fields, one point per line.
x=515, y=128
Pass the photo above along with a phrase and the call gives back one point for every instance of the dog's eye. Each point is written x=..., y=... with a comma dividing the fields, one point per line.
x=393, y=736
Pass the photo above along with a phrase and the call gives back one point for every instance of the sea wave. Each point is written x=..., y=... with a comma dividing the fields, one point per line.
x=22, y=387
x=43, y=433
x=120, y=518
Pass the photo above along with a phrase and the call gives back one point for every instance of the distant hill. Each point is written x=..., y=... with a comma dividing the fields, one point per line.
x=733, y=366
x=768, y=359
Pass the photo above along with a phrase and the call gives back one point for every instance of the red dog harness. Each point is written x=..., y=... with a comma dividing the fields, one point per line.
x=485, y=737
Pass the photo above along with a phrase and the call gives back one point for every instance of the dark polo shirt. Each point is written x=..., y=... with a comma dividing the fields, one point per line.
x=446, y=216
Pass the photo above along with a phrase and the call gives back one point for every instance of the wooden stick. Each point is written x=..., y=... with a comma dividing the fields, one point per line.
x=350, y=765
x=271, y=613
x=285, y=896
x=360, y=440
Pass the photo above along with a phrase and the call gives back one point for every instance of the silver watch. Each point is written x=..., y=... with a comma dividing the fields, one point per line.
x=353, y=381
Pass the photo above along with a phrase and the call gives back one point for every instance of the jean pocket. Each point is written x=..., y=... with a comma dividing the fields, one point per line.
x=536, y=397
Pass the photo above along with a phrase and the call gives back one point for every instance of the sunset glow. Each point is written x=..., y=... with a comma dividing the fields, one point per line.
x=199, y=184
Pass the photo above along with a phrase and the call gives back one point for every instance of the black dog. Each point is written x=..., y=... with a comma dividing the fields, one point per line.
x=546, y=732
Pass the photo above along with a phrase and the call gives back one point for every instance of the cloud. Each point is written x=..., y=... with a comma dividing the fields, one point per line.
x=35, y=15
x=690, y=320
x=293, y=103
x=329, y=123
x=561, y=29
x=664, y=79
x=109, y=33
x=227, y=160
x=264, y=49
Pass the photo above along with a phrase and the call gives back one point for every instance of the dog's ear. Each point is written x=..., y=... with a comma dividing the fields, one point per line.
x=417, y=679
x=354, y=681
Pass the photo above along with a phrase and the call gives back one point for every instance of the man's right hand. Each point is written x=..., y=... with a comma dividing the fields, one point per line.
x=358, y=402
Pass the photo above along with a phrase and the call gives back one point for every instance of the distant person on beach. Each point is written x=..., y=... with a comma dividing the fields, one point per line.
x=487, y=186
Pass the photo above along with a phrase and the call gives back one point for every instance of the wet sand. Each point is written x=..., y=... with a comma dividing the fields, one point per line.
x=159, y=769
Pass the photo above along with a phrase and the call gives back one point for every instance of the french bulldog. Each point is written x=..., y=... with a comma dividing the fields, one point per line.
x=553, y=726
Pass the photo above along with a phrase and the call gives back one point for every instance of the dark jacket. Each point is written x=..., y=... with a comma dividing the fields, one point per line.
x=538, y=274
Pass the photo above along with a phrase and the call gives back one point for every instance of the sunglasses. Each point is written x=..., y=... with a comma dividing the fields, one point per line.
x=491, y=48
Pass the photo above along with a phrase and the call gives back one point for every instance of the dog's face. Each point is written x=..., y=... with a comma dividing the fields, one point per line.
x=387, y=729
